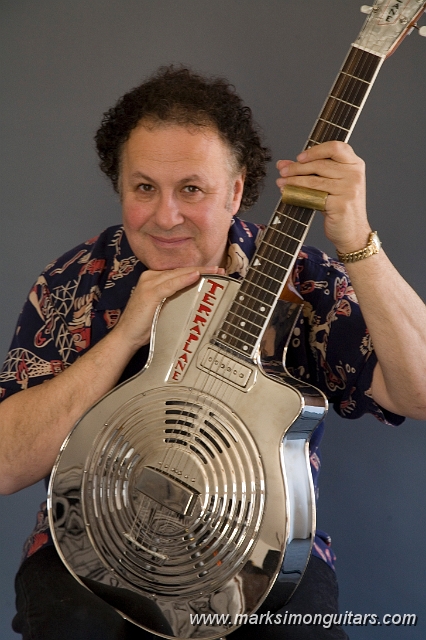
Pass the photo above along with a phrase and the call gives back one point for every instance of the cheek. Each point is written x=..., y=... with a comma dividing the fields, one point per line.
x=134, y=215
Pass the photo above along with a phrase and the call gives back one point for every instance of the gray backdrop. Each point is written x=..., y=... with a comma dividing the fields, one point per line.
x=65, y=63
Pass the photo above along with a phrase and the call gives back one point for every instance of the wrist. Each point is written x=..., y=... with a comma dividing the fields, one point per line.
x=370, y=248
x=123, y=338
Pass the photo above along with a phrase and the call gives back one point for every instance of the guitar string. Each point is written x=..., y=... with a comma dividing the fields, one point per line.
x=172, y=461
x=357, y=63
x=173, y=453
x=361, y=59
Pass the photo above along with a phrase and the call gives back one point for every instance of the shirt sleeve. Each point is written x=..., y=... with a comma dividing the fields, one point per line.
x=53, y=328
x=75, y=301
x=42, y=345
x=331, y=347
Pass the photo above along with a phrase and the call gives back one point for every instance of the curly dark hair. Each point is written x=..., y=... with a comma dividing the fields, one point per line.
x=178, y=95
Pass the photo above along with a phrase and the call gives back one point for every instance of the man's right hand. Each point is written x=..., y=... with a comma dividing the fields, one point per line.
x=136, y=321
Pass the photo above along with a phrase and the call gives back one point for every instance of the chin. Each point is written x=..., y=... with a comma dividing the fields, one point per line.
x=166, y=263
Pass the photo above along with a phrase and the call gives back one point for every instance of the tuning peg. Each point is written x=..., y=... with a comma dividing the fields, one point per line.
x=366, y=9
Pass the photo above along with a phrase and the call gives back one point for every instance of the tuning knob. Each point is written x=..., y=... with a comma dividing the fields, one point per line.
x=366, y=9
x=422, y=31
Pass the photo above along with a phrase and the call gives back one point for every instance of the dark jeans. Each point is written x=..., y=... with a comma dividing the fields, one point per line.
x=52, y=605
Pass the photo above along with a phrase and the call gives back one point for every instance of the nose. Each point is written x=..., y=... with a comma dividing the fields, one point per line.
x=167, y=212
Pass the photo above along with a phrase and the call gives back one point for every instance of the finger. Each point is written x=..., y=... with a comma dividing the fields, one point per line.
x=282, y=164
x=178, y=280
x=334, y=150
x=325, y=168
x=161, y=276
x=159, y=284
x=330, y=185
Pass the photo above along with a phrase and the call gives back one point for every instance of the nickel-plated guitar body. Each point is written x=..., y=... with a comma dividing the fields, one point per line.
x=185, y=498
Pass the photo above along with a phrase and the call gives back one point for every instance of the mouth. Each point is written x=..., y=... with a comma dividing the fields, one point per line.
x=169, y=243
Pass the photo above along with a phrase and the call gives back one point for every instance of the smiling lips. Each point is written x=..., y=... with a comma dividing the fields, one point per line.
x=169, y=242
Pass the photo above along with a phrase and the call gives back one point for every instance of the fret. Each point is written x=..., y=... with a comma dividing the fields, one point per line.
x=361, y=64
x=356, y=77
x=338, y=111
x=266, y=273
x=223, y=340
x=350, y=89
x=246, y=315
x=324, y=132
x=285, y=214
x=265, y=247
x=242, y=297
x=334, y=124
x=295, y=214
x=275, y=255
x=284, y=233
x=344, y=102
x=258, y=286
x=274, y=265
x=264, y=296
x=293, y=228
x=262, y=281
x=292, y=224
x=231, y=328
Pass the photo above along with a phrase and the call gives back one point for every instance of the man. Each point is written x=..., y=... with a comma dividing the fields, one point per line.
x=185, y=157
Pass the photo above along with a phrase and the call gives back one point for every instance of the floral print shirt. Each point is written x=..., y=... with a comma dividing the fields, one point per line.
x=79, y=298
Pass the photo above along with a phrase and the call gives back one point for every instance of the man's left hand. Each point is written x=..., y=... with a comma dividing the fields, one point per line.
x=335, y=168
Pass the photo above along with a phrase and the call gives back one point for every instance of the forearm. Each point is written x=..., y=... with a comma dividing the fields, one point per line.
x=396, y=319
x=34, y=422
x=395, y=315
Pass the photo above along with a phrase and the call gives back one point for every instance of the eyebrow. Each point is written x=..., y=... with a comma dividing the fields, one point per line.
x=138, y=175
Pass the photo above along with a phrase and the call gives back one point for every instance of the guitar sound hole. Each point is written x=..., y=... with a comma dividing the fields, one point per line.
x=199, y=454
x=182, y=422
x=176, y=441
x=178, y=431
x=181, y=412
x=217, y=432
x=212, y=440
x=180, y=403
x=203, y=444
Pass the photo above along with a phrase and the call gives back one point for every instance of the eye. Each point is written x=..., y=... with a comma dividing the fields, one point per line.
x=145, y=187
x=191, y=188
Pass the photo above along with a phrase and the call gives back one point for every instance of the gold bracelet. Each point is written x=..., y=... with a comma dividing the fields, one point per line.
x=372, y=247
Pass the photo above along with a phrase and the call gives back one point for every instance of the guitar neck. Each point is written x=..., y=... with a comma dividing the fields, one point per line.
x=250, y=312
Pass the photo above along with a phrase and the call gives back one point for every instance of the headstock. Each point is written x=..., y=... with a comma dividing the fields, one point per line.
x=387, y=24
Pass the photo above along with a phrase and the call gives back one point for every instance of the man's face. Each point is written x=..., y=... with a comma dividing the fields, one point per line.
x=179, y=193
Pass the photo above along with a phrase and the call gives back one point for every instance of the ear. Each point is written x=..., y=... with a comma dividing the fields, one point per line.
x=237, y=192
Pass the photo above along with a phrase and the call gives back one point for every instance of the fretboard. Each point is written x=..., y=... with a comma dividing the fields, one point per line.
x=249, y=314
